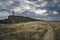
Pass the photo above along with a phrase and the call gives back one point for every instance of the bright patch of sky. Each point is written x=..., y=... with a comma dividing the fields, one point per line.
x=41, y=12
x=4, y=13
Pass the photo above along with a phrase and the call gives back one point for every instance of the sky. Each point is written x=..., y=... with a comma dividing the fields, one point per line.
x=38, y=9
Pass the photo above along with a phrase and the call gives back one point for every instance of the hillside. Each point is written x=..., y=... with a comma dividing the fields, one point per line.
x=17, y=19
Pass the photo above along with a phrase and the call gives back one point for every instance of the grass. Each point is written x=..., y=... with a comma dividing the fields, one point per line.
x=56, y=28
x=33, y=30
x=23, y=31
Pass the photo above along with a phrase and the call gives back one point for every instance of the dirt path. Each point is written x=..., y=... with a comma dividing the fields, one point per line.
x=49, y=35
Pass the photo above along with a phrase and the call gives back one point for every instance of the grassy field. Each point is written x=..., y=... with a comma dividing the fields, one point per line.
x=33, y=30
x=23, y=31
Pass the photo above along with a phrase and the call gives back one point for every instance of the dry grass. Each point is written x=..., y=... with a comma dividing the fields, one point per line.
x=56, y=28
x=28, y=30
x=23, y=31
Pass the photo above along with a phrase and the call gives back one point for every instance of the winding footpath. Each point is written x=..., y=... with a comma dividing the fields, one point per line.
x=49, y=35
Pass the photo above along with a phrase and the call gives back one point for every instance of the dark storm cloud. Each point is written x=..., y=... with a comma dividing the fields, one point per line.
x=16, y=3
x=32, y=0
x=2, y=0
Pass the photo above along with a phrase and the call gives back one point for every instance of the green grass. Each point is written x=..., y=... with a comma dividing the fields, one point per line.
x=23, y=31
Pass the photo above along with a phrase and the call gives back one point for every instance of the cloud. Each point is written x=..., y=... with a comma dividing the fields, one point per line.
x=41, y=12
x=16, y=9
x=55, y=12
x=39, y=8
